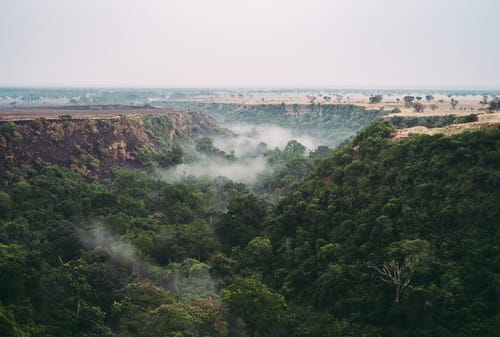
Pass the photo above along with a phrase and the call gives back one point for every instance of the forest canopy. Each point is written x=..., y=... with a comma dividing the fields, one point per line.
x=380, y=238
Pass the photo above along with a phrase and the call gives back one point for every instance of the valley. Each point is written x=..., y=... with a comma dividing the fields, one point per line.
x=227, y=219
x=249, y=168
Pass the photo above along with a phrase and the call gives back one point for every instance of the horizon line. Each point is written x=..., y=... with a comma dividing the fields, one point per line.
x=250, y=87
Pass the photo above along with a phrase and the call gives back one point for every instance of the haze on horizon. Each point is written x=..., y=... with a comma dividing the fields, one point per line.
x=259, y=43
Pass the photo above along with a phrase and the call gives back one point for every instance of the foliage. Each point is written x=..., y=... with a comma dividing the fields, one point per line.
x=467, y=119
x=375, y=99
x=422, y=208
x=62, y=275
x=408, y=100
x=418, y=107
x=243, y=221
x=261, y=309
x=205, y=146
x=374, y=133
x=170, y=152
x=331, y=122
x=431, y=121
x=494, y=105
x=378, y=238
x=288, y=168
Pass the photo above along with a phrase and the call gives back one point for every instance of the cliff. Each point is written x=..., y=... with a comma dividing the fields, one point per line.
x=93, y=145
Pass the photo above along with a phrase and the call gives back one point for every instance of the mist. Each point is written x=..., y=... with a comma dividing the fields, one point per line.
x=248, y=145
x=190, y=280
x=118, y=249
x=245, y=170
x=249, y=136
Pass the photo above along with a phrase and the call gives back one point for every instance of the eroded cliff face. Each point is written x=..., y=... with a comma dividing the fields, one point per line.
x=194, y=123
x=92, y=147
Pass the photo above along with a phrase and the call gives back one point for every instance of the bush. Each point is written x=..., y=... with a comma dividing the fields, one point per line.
x=466, y=119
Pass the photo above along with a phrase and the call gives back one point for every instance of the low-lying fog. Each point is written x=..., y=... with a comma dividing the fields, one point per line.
x=243, y=170
x=250, y=136
x=248, y=147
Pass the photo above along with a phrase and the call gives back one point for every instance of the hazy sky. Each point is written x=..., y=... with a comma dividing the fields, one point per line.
x=283, y=43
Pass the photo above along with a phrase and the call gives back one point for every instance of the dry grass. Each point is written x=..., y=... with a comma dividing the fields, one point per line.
x=92, y=112
x=484, y=121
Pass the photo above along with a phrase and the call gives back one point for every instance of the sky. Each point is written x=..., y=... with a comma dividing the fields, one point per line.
x=257, y=43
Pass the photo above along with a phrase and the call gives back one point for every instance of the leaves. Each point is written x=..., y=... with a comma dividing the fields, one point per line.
x=261, y=309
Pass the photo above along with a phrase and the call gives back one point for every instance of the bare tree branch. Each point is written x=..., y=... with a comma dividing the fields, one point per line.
x=391, y=273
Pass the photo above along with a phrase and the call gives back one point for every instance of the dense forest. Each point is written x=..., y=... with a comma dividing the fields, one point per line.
x=395, y=238
x=333, y=123
x=377, y=238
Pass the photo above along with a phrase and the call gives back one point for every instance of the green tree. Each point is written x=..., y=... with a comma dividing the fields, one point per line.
x=205, y=145
x=293, y=149
x=13, y=273
x=262, y=310
x=376, y=99
x=321, y=151
x=5, y=205
x=408, y=100
x=243, y=221
x=494, y=105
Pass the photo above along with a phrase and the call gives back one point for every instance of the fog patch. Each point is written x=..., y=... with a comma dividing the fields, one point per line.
x=244, y=170
x=248, y=137
x=189, y=280
x=245, y=159
x=117, y=248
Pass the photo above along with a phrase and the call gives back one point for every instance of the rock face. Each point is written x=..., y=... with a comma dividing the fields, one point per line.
x=91, y=147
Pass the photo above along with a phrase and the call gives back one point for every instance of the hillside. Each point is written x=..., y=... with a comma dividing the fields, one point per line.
x=441, y=124
x=384, y=238
x=91, y=141
x=333, y=123
x=395, y=238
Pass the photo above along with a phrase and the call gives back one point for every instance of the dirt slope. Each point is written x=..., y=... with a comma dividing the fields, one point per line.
x=484, y=121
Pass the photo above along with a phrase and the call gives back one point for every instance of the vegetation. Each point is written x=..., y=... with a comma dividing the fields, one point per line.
x=418, y=107
x=375, y=99
x=380, y=238
x=90, y=147
x=431, y=121
x=494, y=105
x=169, y=152
x=467, y=119
x=330, y=122
x=408, y=101
x=395, y=239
